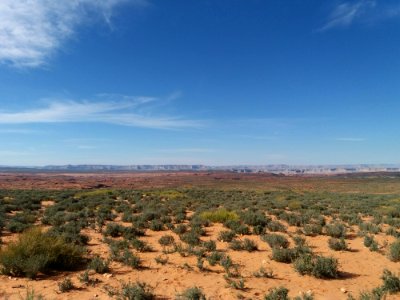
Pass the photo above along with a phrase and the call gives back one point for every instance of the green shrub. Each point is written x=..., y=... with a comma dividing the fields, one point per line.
x=246, y=244
x=193, y=293
x=136, y=291
x=99, y=265
x=219, y=216
x=391, y=282
x=325, y=267
x=210, y=245
x=35, y=252
x=214, y=258
x=140, y=245
x=368, y=240
x=275, y=240
x=335, y=230
x=283, y=255
x=304, y=264
x=226, y=236
x=65, y=285
x=376, y=294
x=279, y=293
x=156, y=225
x=299, y=240
x=317, y=266
x=191, y=237
x=276, y=226
x=394, y=251
x=312, y=229
x=166, y=240
x=114, y=230
x=31, y=295
x=180, y=229
x=337, y=244
x=130, y=259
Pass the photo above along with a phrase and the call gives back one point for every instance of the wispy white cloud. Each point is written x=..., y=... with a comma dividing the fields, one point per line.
x=125, y=112
x=347, y=12
x=350, y=139
x=31, y=31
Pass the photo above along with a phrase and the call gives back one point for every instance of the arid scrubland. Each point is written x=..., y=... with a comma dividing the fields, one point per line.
x=201, y=243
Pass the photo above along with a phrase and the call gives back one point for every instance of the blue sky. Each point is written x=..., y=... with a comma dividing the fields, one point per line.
x=212, y=82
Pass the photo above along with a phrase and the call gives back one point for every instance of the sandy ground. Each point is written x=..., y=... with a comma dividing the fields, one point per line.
x=361, y=270
x=357, y=183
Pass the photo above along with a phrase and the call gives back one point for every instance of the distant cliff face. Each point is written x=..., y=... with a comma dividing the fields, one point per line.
x=276, y=169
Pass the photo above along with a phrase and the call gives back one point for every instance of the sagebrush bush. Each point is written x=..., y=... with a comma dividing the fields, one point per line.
x=317, y=266
x=166, y=240
x=335, y=230
x=193, y=293
x=35, y=252
x=283, y=255
x=312, y=229
x=394, y=251
x=279, y=293
x=226, y=236
x=391, y=282
x=276, y=226
x=219, y=216
x=99, y=265
x=65, y=285
x=337, y=244
x=136, y=291
x=275, y=240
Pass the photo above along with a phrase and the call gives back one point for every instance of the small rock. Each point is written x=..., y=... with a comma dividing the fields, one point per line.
x=95, y=295
x=343, y=290
x=107, y=275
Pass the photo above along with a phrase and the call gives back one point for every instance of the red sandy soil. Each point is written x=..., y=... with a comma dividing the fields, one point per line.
x=361, y=270
x=220, y=180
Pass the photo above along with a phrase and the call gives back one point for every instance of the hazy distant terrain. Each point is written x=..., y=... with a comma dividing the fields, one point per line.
x=276, y=169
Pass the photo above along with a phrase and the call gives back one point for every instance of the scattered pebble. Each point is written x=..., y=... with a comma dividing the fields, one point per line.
x=343, y=290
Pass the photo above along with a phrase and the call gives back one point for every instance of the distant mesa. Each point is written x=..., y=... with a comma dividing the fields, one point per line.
x=274, y=169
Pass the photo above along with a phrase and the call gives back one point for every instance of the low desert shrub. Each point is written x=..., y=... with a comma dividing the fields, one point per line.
x=335, y=230
x=226, y=236
x=191, y=237
x=317, y=266
x=214, y=258
x=391, y=282
x=246, y=244
x=136, y=291
x=210, y=245
x=193, y=293
x=337, y=244
x=394, y=251
x=276, y=226
x=35, y=252
x=65, y=285
x=275, y=240
x=279, y=293
x=312, y=229
x=219, y=216
x=99, y=265
x=283, y=255
x=166, y=240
